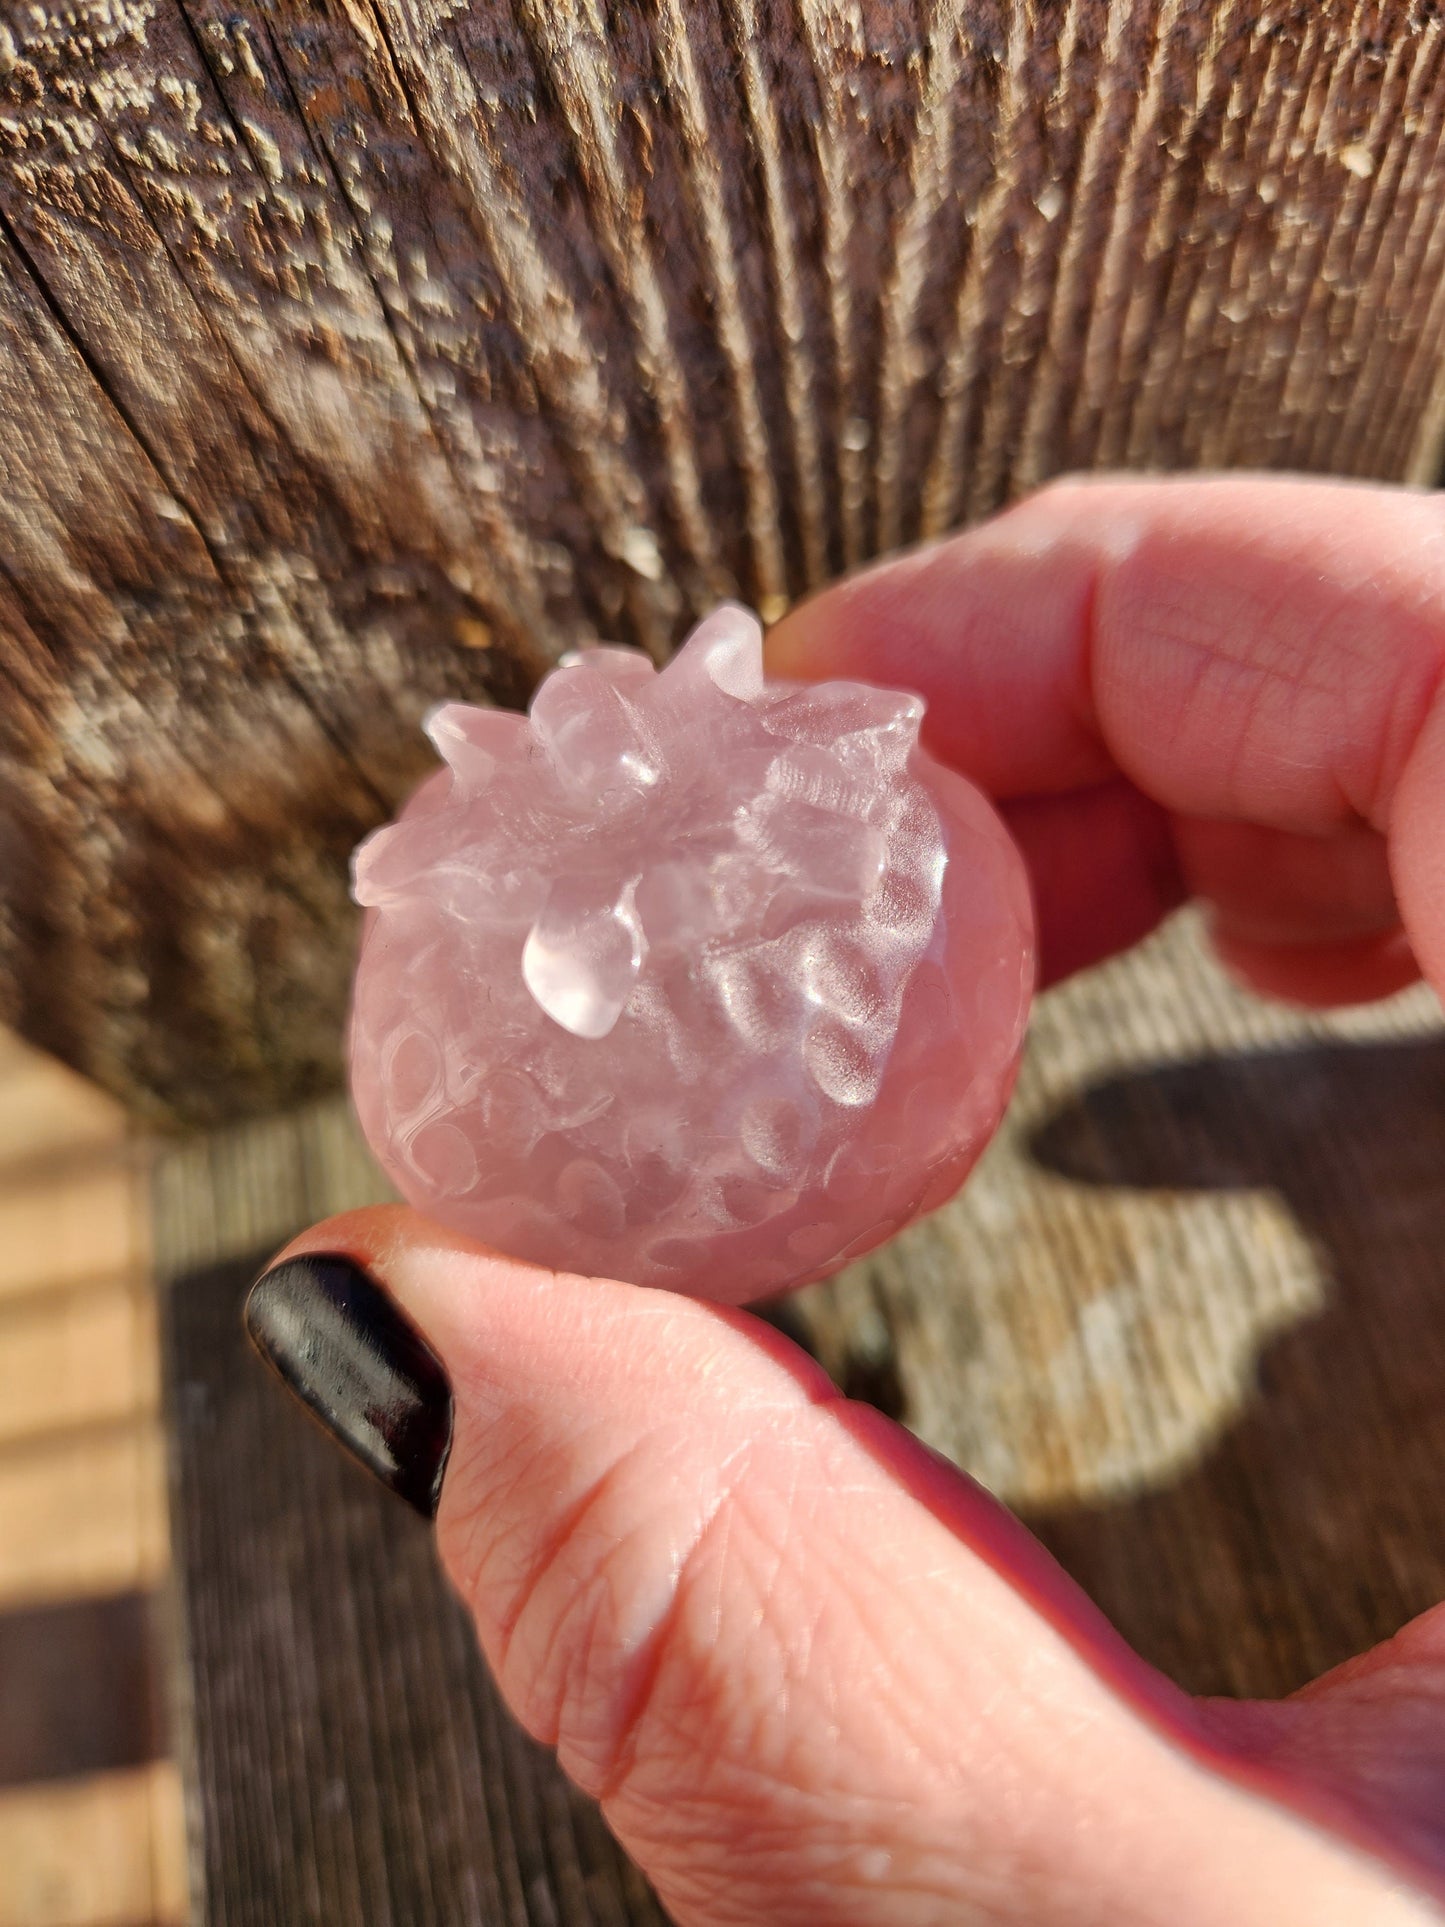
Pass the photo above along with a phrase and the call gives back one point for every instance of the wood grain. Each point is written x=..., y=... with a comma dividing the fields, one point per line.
x=349, y=1758
x=364, y=352
x=76, y=1357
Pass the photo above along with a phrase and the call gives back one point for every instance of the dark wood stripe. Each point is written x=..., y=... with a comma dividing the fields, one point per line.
x=79, y=1689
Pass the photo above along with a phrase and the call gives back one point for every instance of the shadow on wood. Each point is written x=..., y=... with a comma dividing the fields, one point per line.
x=350, y=1761
x=1312, y=1526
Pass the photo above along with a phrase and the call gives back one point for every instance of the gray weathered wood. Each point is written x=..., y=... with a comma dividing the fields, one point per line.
x=361, y=352
x=351, y=1764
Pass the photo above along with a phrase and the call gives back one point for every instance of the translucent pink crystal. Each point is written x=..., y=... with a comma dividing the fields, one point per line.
x=688, y=978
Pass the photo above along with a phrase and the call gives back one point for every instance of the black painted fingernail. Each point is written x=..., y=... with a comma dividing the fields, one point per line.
x=359, y=1365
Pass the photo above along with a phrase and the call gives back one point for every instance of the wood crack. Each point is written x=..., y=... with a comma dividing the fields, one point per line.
x=102, y=382
x=379, y=801
x=562, y=357
x=572, y=40
x=514, y=596
x=754, y=454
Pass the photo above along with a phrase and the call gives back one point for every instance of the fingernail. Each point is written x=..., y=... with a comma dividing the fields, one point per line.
x=360, y=1366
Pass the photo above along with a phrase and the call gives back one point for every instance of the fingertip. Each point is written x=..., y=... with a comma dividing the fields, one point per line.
x=808, y=644
x=437, y=1275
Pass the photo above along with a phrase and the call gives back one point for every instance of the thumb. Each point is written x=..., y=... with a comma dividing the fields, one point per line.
x=811, y=1673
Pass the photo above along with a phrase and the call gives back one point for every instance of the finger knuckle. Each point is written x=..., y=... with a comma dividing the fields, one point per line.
x=611, y=1631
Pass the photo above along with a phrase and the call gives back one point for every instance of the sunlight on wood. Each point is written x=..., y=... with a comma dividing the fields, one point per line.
x=71, y=1358
x=101, y=1852
x=83, y=1513
x=49, y=1108
x=82, y=1478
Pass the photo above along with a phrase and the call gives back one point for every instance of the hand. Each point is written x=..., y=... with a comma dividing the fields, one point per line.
x=812, y=1673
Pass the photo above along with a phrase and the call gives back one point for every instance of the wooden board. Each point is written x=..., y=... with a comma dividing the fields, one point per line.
x=1185, y=1317
x=351, y=1760
x=72, y=1223
x=81, y=1508
x=90, y=1827
x=360, y=352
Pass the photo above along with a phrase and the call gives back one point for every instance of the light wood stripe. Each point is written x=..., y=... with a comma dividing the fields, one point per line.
x=1042, y=236
x=1184, y=304
x=1117, y=266
x=1411, y=232
x=1039, y=448
x=46, y=1108
x=1288, y=254
x=1254, y=270
x=819, y=23
x=1416, y=412
x=102, y=1852
x=460, y=131
x=83, y=1513
x=75, y=1357
x=70, y=1229
x=958, y=380
x=930, y=159
x=799, y=377
x=572, y=36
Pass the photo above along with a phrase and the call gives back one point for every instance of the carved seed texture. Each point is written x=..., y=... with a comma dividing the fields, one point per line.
x=687, y=977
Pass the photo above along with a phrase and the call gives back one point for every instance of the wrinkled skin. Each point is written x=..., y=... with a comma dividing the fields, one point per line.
x=812, y=1673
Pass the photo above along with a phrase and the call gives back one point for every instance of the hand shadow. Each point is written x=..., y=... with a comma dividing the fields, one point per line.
x=1315, y=1525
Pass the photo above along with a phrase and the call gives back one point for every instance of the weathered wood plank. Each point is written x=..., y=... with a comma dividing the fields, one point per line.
x=1185, y=1314
x=81, y=1517
x=359, y=353
x=350, y=1759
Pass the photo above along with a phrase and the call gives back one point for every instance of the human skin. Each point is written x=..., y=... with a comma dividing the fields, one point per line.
x=814, y=1674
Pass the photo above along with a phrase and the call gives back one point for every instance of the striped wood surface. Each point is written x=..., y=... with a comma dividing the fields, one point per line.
x=82, y=1499
x=362, y=354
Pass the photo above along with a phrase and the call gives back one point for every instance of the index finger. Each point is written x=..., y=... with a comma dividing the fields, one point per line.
x=1266, y=650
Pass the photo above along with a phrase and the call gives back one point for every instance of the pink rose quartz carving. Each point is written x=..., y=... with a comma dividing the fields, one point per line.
x=688, y=978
